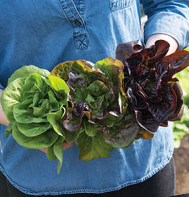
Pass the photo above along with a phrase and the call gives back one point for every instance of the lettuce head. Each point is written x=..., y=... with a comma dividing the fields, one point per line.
x=35, y=103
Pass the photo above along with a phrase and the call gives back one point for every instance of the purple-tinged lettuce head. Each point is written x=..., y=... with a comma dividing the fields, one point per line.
x=155, y=95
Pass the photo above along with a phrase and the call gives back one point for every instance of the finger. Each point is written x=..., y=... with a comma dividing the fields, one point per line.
x=67, y=145
x=44, y=150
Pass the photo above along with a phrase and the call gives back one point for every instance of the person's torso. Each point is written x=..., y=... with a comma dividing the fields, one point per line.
x=44, y=34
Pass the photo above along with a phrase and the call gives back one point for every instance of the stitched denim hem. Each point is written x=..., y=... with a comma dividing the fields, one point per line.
x=90, y=190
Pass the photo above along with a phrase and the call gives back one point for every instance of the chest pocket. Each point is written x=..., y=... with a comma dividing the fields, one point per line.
x=120, y=4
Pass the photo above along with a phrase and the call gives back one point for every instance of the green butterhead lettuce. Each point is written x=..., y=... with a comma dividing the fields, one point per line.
x=35, y=103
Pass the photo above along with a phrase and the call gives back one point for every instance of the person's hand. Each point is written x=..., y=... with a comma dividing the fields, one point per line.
x=65, y=146
x=3, y=118
x=173, y=43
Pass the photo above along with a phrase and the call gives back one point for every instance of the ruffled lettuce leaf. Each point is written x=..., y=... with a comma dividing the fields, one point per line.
x=26, y=70
x=154, y=93
x=10, y=97
x=92, y=147
x=124, y=131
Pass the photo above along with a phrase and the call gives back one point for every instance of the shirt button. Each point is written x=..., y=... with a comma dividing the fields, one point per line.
x=77, y=22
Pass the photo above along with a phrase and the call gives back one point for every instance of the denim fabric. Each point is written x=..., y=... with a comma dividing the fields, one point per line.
x=1, y=87
x=162, y=184
x=168, y=17
x=45, y=33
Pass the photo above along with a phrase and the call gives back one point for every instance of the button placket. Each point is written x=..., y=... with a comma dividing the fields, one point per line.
x=80, y=36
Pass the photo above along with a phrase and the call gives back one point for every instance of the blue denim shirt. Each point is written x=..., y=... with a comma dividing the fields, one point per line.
x=45, y=33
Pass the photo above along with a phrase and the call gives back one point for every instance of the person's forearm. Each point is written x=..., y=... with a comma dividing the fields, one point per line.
x=3, y=119
x=173, y=43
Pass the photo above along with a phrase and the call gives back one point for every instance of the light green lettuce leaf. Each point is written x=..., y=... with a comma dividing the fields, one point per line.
x=38, y=142
x=187, y=49
x=92, y=147
x=91, y=129
x=55, y=119
x=11, y=97
x=113, y=69
x=58, y=84
x=57, y=149
x=33, y=129
x=50, y=153
x=26, y=70
x=34, y=83
x=24, y=115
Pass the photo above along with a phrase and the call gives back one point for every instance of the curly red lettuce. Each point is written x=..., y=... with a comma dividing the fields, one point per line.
x=155, y=95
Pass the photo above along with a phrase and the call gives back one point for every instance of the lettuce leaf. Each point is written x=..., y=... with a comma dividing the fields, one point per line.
x=92, y=147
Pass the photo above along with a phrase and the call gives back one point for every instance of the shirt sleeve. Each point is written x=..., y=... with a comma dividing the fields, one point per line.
x=170, y=17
